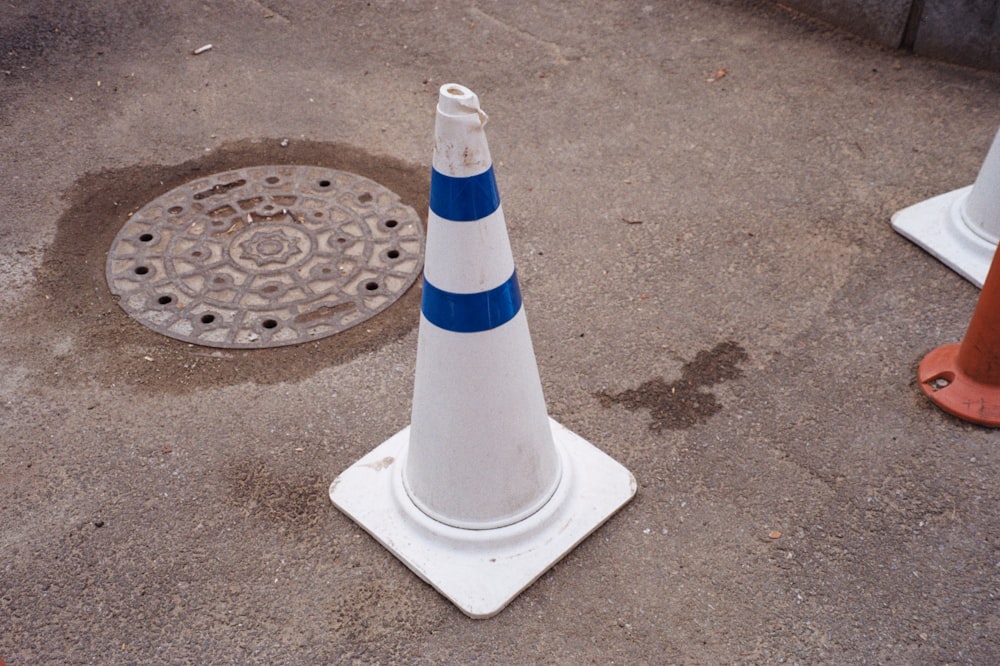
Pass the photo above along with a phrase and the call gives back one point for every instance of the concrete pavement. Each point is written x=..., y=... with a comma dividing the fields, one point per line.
x=698, y=196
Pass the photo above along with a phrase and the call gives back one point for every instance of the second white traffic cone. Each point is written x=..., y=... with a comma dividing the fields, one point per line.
x=962, y=227
x=483, y=492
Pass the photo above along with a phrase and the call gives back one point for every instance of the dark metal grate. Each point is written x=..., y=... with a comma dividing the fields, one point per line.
x=265, y=256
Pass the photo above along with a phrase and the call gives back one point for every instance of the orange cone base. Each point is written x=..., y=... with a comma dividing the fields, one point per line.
x=954, y=391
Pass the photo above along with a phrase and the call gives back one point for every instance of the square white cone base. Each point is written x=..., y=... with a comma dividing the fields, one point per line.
x=937, y=226
x=481, y=571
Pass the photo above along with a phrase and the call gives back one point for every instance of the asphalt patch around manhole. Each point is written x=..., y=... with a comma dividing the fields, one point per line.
x=683, y=403
x=71, y=309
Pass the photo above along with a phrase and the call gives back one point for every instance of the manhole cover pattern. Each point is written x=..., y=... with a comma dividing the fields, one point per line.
x=265, y=256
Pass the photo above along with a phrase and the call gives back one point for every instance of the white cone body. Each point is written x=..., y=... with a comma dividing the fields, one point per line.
x=481, y=452
x=961, y=227
x=981, y=210
x=482, y=492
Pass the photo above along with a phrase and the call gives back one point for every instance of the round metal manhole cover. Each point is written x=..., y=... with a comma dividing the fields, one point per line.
x=265, y=256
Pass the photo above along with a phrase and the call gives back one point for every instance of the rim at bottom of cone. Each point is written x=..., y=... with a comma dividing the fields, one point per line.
x=942, y=380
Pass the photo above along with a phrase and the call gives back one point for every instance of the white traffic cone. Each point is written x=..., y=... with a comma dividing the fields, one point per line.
x=483, y=492
x=961, y=228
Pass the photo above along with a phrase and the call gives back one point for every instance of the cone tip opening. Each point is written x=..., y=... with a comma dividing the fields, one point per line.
x=456, y=100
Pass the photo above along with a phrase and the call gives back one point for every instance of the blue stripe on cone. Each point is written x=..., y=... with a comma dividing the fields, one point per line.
x=464, y=199
x=472, y=313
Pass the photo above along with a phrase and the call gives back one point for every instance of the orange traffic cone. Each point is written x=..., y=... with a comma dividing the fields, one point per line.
x=964, y=379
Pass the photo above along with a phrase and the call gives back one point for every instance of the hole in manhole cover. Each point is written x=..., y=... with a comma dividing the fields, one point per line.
x=265, y=256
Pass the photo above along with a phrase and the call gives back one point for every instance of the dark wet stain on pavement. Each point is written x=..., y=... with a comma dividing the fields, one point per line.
x=684, y=403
